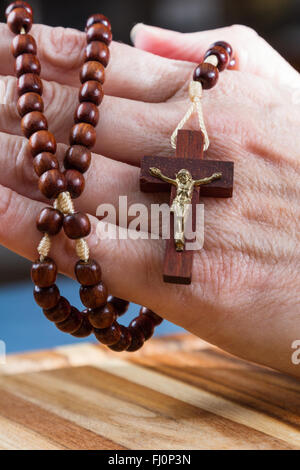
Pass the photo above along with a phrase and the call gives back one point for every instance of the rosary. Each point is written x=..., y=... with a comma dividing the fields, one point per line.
x=188, y=174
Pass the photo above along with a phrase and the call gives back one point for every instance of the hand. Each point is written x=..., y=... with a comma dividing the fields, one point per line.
x=155, y=172
x=246, y=280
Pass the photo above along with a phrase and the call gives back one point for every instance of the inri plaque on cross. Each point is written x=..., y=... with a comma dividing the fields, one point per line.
x=188, y=177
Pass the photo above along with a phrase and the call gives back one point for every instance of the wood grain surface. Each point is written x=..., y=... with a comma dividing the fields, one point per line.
x=177, y=393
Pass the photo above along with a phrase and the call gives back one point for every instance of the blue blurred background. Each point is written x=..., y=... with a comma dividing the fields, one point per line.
x=22, y=325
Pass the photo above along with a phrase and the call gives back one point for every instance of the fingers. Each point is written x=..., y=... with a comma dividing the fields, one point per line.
x=130, y=129
x=131, y=73
x=139, y=259
x=253, y=54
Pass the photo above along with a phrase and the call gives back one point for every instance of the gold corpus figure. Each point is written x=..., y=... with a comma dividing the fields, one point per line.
x=182, y=202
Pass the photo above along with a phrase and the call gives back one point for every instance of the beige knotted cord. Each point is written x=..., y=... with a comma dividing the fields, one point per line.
x=65, y=205
x=195, y=93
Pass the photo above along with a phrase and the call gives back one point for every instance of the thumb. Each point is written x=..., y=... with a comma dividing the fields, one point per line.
x=252, y=53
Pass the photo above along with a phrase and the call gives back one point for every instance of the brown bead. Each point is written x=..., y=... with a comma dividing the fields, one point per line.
x=137, y=340
x=225, y=45
x=92, y=70
x=91, y=91
x=72, y=323
x=93, y=296
x=88, y=113
x=18, y=4
x=124, y=342
x=156, y=318
x=52, y=183
x=89, y=273
x=120, y=305
x=83, y=134
x=27, y=63
x=85, y=329
x=207, y=74
x=102, y=317
x=30, y=102
x=98, y=18
x=77, y=226
x=19, y=19
x=99, y=32
x=50, y=221
x=43, y=273
x=75, y=183
x=45, y=161
x=109, y=336
x=30, y=83
x=60, y=312
x=47, y=297
x=145, y=324
x=98, y=51
x=33, y=122
x=42, y=141
x=23, y=44
x=221, y=54
x=78, y=158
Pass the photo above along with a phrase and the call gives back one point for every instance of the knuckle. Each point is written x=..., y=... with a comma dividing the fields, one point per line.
x=60, y=100
x=243, y=30
x=62, y=46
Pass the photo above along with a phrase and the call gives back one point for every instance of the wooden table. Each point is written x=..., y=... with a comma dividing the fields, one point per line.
x=177, y=393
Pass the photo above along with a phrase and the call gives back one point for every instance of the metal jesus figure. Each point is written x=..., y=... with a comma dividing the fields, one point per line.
x=184, y=184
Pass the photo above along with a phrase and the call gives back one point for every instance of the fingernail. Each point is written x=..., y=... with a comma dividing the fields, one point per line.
x=134, y=31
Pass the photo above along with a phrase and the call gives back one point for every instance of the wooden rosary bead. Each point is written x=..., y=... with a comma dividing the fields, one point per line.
x=97, y=51
x=85, y=329
x=94, y=296
x=137, y=340
x=124, y=342
x=109, y=336
x=19, y=19
x=47, y=297
x=43, y=273
x=50, y=221
x=45, y=161
x=23, y=44
x=91, y=91
x=52, y=183
x=30, y=102
x=30, y=83
x=98, y=18
x=77, y=226
x=156, y=318
x=92, y=70
x=102, y=317
x=83, y=134
x=78, y=158
x=221, y=54
x=120, y=305
x=75, y=183
x=207, y=74
x=225, y=45
x=33, y=122
x=18, y=4
x=42, y=141
x=72, y=323
x=145, y=324
x=99, y=32
x=60, y=312
x=88, y=113
x=88, y=273
x=27, y=63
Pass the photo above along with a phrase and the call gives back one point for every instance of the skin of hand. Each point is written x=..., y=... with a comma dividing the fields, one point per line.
x=245, y=295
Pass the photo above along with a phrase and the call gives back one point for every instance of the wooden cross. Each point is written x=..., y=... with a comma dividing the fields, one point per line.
x=189, y=155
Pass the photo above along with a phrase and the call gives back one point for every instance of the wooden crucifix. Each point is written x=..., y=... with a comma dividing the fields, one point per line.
x=216, y=181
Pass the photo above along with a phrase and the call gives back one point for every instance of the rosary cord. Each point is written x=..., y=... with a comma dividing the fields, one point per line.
x=195, y=94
